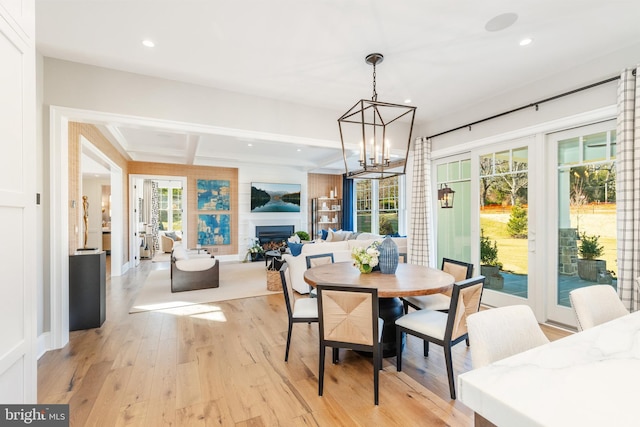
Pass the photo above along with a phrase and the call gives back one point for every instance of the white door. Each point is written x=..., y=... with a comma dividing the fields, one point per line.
x=18, y=368
x=506, y=236
x=582, y=190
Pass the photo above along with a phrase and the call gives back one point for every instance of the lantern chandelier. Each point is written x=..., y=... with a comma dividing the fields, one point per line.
x=376, y=127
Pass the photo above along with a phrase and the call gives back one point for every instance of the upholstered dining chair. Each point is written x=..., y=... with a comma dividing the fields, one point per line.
x=444, y=329
x=596, y=304
x=349, y=318
x=501, y=332
x=458, y=269
x=301, y=310
x=316, y=260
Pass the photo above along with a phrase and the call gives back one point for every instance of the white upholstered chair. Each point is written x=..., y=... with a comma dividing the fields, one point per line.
x=596, y=304
x=458, y=269
x=498, y=333
x=301, y=310
x=445, y=329
x=349, y=318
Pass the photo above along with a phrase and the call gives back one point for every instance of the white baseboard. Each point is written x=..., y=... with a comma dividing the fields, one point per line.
x=43, y=344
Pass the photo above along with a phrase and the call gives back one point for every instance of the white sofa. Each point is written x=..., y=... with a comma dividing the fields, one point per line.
x=341, y=253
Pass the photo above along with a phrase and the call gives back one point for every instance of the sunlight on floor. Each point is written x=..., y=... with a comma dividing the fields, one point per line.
x=181, y=308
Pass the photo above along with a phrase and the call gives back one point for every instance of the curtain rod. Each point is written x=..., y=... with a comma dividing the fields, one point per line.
x=533, y=104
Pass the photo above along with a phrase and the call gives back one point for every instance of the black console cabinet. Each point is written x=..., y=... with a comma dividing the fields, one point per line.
x=87, y=290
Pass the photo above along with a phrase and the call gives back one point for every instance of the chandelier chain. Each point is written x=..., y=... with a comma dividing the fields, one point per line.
x=374, y=97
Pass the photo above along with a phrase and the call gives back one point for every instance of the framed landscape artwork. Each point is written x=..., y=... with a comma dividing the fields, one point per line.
x=214, y=229
x=213, y=195
x=266, y=197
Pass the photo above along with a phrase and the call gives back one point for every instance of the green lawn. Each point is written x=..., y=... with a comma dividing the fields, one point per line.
x=594, y=220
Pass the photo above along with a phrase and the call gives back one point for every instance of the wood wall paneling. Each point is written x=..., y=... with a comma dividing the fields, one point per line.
x=320, y=185
x=193, y=174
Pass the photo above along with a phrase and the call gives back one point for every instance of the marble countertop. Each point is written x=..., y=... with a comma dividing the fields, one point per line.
x=591, y=378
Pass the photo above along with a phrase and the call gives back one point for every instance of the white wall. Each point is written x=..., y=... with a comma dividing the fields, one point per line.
x=248, y=220
x=555, y=83
x=70, y=84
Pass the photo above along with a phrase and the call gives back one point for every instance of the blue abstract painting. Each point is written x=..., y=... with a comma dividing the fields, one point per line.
x=213, y=195
x=214, y=229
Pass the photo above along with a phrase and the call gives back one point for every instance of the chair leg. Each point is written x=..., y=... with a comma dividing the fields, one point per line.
x=447, y=357
x=376, y=376
x=405, y=305
x=399, y=334
x=286, y=352
x=336, y=355
x=467, y=341
x=426, y=348
x=321, y=370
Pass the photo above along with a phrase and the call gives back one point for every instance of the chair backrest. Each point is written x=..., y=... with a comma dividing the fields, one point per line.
x=465, y=300
x=497, y=333
x=596, y=304
x=319, y=259
x=289, y=297
x=458, y=269
x=348, y=315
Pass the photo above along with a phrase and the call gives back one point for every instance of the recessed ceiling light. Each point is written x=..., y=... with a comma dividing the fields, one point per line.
x=299, y=149
x=407, y=101
x=501, y=22
x=249, y=145
x=525, y=41
x=148, y=43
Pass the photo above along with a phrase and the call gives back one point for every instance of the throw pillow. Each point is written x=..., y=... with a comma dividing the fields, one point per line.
x=171, y=235
x=295, y=248
x=324, y=234
x=338, y=236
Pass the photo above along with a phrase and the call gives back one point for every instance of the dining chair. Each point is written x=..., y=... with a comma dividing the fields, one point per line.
x=458, y=269
x=501, y=332
x=444, y=329
x=349, y=318
x=316, y=260
x=301, y=310
x=596, y=304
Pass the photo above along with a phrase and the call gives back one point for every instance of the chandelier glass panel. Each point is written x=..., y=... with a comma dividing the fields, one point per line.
x=381, y=131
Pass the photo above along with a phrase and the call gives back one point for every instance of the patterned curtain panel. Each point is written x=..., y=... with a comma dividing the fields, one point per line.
x=155, y=213
x=420, y=229
x=628, y=187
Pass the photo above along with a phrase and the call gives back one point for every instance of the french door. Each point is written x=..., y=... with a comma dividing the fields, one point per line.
x=581, y=162
x=505, y=232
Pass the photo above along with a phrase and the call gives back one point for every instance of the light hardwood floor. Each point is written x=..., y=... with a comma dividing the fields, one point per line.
x=223, y=365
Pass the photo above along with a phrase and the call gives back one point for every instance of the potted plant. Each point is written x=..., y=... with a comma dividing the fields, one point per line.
x=303, y=235
x=589, y=249
x=489, y=264
x=255, y=251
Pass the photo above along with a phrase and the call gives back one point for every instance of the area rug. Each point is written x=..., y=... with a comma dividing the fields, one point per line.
x=161, y=257
x=237, y=280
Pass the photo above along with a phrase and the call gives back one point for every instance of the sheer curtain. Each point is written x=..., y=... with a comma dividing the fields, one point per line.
x=628, y=187
x=420, y=228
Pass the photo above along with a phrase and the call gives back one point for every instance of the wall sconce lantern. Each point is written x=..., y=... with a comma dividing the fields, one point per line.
x=445, y=196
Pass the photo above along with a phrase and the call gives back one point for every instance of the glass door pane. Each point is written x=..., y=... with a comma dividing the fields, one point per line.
x=454, y=224
x=504, y=184
x=586, y=179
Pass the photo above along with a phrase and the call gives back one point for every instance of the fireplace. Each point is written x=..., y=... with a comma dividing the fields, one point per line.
x=272, y=236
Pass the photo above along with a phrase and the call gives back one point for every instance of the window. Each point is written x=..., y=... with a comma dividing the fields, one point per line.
x=170, y=206
x=380, y=205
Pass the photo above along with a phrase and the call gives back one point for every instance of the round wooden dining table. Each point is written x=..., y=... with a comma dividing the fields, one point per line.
x=408, y=280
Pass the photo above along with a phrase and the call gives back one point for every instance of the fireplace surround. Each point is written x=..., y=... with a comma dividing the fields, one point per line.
x=273, y=235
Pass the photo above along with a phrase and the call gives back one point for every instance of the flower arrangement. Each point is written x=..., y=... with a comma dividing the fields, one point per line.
x=254, y=250
x=366, y=258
